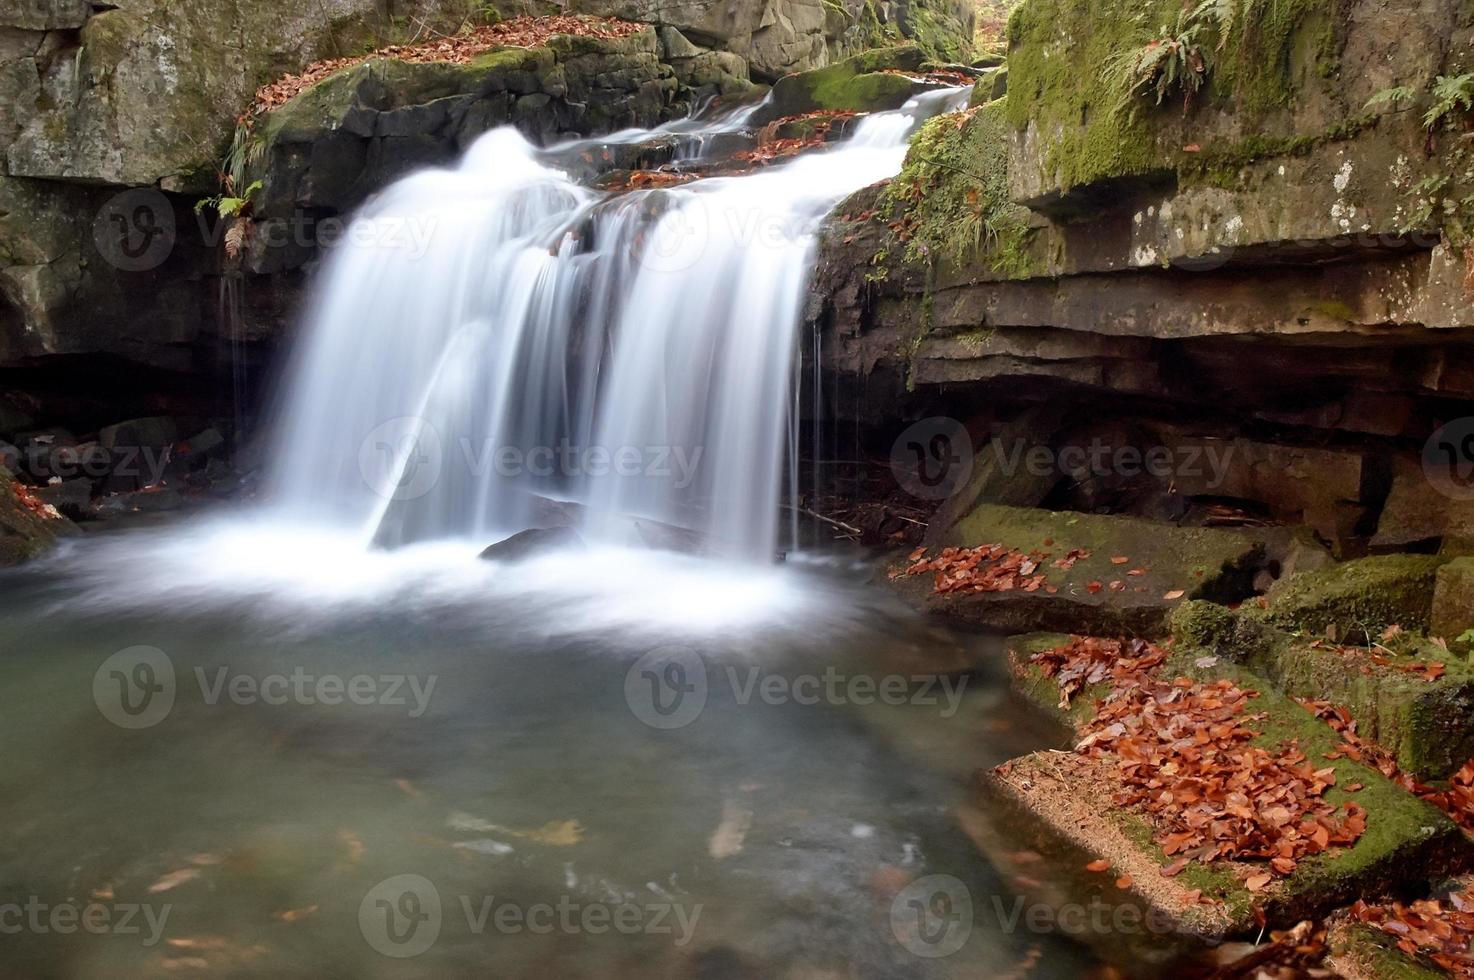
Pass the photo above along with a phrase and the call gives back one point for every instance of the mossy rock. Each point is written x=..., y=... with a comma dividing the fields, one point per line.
x=1428, y=726
x=1453, y=604
x=861, y=83
x=1358, y=599
x=25, y=534
x=1176, y=563
x=1359, y=952
x=1406, y=839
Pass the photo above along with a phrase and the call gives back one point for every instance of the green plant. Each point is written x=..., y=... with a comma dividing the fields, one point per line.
x=1390, y=97
x=233, y=203
x=1178, y=60
x=1452, y=96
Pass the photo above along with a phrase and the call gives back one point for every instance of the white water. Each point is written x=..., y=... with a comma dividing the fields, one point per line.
x=494, y=336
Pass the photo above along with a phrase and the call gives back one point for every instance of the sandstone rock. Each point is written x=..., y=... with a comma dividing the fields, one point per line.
x=1359, y=599
x=1416, y=512
x=533, y=543
x=1095, y=594
x=352, y=133
x=1453, y=604
x=862, y=83
x=1064, y=798
x=1427, y=725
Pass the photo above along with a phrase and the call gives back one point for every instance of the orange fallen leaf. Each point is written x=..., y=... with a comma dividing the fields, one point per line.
x=1101, y=865
x=1124, y=882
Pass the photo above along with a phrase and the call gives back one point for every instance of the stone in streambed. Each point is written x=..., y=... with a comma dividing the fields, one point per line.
x=1096, y=594
x=533, y=542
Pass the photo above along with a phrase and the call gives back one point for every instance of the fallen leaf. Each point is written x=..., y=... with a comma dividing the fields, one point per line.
x=1098, y=866
x=173, y=880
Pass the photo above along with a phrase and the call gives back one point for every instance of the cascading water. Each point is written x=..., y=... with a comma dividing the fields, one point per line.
x=495, y=337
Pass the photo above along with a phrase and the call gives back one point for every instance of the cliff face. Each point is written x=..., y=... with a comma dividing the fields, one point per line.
x=1278, y=252
x=115, y=119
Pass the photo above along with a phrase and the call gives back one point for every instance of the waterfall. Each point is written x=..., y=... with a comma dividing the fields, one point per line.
x=494, y=342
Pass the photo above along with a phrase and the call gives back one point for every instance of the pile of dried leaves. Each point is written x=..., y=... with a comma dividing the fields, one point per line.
x=986, y=568
x=1182, y=751
x=1457, y=800
x=458, y=48
x=1089, y=660
x=1441, y=931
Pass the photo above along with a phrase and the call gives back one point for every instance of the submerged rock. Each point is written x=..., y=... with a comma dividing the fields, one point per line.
x=532, y=543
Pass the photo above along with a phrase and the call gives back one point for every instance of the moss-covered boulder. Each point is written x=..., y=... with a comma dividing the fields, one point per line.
x=1357, y=600
x=867, y=82
x=1063, y=801
x=1416, y=701
x=1102, y=575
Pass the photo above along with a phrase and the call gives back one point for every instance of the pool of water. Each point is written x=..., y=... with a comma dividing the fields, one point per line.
x=241, y=749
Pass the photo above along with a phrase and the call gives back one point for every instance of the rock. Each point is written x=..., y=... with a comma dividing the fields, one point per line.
x=1358, y=599
x=1095, y=594
x=1453, y=604
x=1062, y=798
x=992, y=85
x=206, y=443
x=67, y=495
x=26, y=529
x=533, y=543
x=862, y=83
x=1417, y=513
x=152, y=501
x=1359, y=952
x=1427, y=725
x=151, y=433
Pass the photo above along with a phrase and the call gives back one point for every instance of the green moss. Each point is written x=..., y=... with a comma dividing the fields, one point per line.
x=1358, y=599
x=1060, y=51
x=954, y=193
x=1372, y=953
x=861, y=83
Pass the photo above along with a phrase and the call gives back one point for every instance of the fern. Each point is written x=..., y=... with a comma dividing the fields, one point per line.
x=1391, y=97
x=1451, y=95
